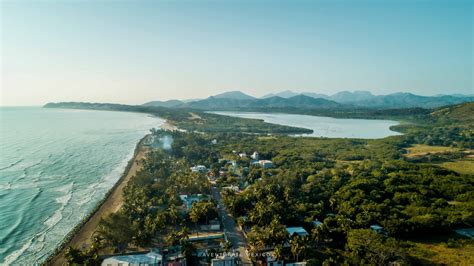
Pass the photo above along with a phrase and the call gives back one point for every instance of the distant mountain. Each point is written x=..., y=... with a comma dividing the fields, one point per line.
x=237, y=95
x=213, y=103
x=340, y=97
x=408, y=100
x=169, y=103
x=288, y=99
x=304, y=101
x=283, y=94
x=316, y=95
x=347, y=96
x=298, y=101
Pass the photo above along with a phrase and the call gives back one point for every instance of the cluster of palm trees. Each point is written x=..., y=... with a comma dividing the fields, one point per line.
x=274, y=236
x=180, y=238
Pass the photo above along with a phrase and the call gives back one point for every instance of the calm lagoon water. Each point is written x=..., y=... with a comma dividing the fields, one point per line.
x=55, y=165
x=326, y=126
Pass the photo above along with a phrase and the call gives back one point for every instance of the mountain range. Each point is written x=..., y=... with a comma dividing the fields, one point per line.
x=290, y=99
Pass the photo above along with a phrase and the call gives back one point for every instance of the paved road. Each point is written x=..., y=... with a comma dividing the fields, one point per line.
x=231, y=230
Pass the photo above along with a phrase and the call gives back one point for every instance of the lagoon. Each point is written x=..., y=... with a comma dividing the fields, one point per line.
x=325, y=126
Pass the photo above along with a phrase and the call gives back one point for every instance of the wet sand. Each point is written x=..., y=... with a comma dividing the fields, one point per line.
x=111, y=204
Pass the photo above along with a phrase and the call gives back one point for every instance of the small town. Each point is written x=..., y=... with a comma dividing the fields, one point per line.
x=210, y=233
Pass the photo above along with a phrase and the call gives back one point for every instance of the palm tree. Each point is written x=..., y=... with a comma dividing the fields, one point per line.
x=227, y=246
x=187, y=248
x=172, y=214
x=298, y=246
x=172, y=239
x=277, y=251
x=184, y=233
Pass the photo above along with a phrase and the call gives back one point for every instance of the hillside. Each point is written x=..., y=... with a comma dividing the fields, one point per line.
x=409, y=100
x=237, y=95
x=299, y=101
x=460, y=113
x=233, y=100
x=169, y=103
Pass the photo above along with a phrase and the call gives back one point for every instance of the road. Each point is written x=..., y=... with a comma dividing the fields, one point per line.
x=231, y=230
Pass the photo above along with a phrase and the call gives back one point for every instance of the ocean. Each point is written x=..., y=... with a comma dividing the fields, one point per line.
x=55, y=166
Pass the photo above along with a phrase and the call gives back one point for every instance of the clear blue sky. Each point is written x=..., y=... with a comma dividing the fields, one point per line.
x=136, y=51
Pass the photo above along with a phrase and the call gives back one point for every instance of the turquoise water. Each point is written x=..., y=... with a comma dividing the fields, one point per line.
x=55, y=165
x=326, y=126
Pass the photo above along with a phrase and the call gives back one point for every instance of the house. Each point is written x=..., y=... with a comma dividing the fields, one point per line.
x=214, y=141
x=255, y=155
x=188, y=200
x=377, y=229
x=299, y=231
x=150, y=258
x=213, y=225
x=317, y=223
x=263, y=163
x=467, y=232
x=199, y=169
x=272, y=261
x=224, y=260
x=242, y=155
x=302, y=263
x=233, y=188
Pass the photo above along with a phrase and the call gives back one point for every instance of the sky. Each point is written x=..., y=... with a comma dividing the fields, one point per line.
x=132, y=52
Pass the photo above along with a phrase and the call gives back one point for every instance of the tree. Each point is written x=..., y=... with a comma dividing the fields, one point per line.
x=278, y=251
x=74, y=256
x=368, y=247
x=227, y=245
x=298, y=245
x=116, y=230
x=203, y=210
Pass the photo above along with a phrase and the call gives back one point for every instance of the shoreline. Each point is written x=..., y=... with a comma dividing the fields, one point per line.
x=80, y=235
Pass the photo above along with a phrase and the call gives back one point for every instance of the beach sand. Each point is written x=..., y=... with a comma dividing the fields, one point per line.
x=168, y=126
x=112, y=204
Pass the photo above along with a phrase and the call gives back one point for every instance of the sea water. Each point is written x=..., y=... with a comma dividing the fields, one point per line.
x=55, y=166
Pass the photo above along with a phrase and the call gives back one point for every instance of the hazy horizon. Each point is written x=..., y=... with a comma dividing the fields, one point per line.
x=132, y=52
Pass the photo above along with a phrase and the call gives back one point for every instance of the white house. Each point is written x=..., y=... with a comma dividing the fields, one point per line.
x=188, y=200
x=242, y=155
x=263, y=163
x=224, y=261
x=148, y=259
x=231, y=188
x=255, y=155
x=199, y=168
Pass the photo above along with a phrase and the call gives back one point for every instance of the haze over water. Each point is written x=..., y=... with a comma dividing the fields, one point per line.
x=55, y=165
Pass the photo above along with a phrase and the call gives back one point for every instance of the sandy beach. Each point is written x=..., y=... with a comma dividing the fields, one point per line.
x=168, y=126
x=111, y=204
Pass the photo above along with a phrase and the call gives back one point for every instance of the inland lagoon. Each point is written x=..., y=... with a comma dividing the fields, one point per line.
x=326, y=126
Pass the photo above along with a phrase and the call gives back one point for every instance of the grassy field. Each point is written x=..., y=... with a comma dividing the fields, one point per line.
x=456, y=251
x=464, y=166
x=421, y=149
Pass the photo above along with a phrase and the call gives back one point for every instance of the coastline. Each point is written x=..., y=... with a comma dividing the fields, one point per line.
x=81, y=234
x=167, y=125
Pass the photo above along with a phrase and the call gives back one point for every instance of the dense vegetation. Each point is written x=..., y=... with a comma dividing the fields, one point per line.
x=192, y=120
x=346, y=184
